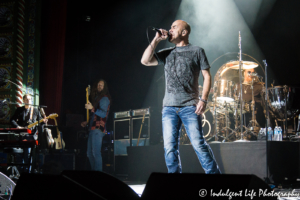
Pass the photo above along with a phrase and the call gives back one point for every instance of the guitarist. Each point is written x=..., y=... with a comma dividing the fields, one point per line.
x=24, y=116
x=99, y=107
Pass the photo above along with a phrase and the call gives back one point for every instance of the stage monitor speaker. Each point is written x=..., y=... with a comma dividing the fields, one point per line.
x=72, y=185
x=6, y=184
x=204, y=186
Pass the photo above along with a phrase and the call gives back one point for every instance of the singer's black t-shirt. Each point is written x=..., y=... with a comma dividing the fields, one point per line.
x=182, y=66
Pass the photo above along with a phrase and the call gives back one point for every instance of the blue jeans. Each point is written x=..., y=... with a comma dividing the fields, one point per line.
x=172, y=118
x=94, y=149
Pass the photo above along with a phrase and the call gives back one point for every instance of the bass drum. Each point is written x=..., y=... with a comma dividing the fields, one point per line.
x=207, y=124
x=281, y=99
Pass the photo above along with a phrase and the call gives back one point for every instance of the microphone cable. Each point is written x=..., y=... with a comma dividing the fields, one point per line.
x=147, y=30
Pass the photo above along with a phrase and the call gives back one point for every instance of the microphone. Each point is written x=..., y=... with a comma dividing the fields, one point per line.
x=157, y=30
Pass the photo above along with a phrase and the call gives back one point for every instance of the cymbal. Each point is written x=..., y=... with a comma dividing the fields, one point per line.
x=245, y=64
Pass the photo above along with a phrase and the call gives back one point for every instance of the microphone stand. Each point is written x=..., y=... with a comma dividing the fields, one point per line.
x=267, y=122
x=6, y=80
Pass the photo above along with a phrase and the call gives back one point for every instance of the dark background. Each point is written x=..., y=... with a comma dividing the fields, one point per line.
x=111, y=44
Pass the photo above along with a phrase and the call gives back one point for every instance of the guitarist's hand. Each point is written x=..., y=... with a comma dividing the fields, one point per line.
x=83, y=124
x=45, y=120
x=89, y=106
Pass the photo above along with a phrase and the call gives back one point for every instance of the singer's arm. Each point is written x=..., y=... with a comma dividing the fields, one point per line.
x=148, y=59
x=206, y=88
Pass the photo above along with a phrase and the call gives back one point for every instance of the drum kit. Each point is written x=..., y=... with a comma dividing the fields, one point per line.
x=235, y=103
x=226, y=105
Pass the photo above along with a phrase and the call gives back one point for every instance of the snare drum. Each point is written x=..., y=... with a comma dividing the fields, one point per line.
x=224, y=90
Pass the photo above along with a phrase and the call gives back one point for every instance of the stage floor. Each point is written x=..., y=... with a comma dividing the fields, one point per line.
x=138, y=188
x=232, y=158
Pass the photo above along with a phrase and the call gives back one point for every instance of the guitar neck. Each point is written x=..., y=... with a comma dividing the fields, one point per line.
x=87, y=110
x=35, y=123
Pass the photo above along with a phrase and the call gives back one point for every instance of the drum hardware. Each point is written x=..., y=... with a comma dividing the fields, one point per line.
x=221, y=111
x=241, y=88
x=225, y=103
x=253, y=125
x=235, y=132
x=215, y=111
x=227, y=123
x=280, y=103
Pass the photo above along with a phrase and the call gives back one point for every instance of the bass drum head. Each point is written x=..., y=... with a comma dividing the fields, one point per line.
x=207, y=124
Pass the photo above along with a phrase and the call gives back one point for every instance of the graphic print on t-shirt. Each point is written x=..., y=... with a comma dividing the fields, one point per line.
x=178, y=72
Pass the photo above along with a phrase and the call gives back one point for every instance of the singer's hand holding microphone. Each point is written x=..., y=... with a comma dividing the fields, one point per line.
x=161, y=34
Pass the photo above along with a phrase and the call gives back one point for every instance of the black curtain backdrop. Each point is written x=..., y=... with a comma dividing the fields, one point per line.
x=110, y=46
x=53, y=32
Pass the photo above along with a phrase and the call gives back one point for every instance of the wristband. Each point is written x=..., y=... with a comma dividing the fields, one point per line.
x=203, y=100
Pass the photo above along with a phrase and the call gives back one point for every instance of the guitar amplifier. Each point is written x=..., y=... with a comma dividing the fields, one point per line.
x=122, y=114
x=141, y=112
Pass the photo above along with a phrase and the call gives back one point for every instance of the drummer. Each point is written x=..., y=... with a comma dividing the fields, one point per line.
x=247, y=91
x=250, y=79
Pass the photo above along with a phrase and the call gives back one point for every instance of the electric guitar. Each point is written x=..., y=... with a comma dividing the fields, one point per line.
x=59, y=142
x=52, y=116
x=47, y=131
x=50, y=140
x=88, y=91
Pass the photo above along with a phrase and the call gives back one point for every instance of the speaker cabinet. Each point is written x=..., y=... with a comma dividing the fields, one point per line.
x=72, y=185
x=205, y=186
x=122, y=129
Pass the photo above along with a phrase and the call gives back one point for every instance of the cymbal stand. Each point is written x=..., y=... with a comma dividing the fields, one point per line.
x=241, y=91
x=215, y=120
x=227, y=125
x=236, y=126
x=253, y=123
x=226, y=118
x=236, y=100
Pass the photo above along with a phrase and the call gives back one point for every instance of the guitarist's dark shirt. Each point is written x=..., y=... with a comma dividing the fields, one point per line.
x=22, y=115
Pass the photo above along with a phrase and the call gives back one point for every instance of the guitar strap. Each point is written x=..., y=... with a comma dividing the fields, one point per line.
x=31, y=113
x=298, y=128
